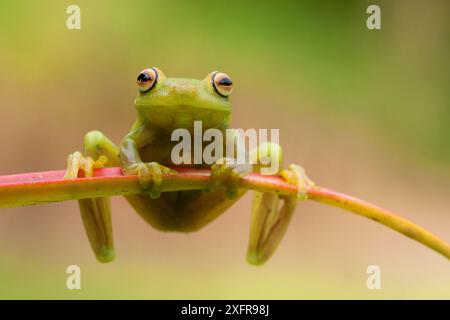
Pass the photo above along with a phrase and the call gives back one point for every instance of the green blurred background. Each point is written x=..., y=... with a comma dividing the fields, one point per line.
x=366, y=112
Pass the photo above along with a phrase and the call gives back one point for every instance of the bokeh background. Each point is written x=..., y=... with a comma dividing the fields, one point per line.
x=365, y=112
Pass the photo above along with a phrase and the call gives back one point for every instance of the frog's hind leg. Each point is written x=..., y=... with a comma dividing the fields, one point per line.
x=96, y=213
x=268, y=226
x=270, y=221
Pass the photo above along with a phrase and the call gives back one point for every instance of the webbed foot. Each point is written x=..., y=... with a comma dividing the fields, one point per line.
x=296, y=175
x=227, y=172
x=150, y=176
x=77, y=161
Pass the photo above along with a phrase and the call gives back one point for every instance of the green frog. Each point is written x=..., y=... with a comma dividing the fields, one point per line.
x=164, y=104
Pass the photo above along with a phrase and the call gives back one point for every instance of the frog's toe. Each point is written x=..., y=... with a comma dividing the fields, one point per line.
x=233, y=183
x=296, y=175
x=73, y=165
x=218, y=174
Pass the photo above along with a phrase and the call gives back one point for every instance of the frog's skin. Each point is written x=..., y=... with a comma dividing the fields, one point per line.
x=163, y=105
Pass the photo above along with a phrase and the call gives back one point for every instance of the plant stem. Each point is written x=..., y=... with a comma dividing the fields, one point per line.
x=40, y=187
x=382, y=216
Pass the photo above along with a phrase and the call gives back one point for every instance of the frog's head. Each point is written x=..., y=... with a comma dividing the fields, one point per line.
x=176, y=103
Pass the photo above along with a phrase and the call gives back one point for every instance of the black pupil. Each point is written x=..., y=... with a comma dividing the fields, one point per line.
x=225, y=82
x=144, y=77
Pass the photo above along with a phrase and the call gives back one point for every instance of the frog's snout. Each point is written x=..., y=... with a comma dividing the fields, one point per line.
x=184, y=91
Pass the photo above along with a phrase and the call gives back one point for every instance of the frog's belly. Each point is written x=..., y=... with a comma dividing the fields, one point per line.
x=157, y=152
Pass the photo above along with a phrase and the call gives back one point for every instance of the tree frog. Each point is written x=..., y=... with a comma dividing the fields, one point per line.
x=164, y=104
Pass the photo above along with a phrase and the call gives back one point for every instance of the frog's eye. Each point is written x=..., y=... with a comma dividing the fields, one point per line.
x=222, y=83
x=147, y=79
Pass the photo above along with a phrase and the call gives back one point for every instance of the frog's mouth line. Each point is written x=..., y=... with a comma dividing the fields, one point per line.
x=180, y=108
x=183, y=116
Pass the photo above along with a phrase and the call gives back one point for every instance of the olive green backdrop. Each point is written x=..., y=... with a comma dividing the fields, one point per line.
x=366, y=112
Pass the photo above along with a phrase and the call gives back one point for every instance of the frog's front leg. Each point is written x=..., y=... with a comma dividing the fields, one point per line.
x=149, y=173
x=269, y=222
x=183, y=211
x=96, y=214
